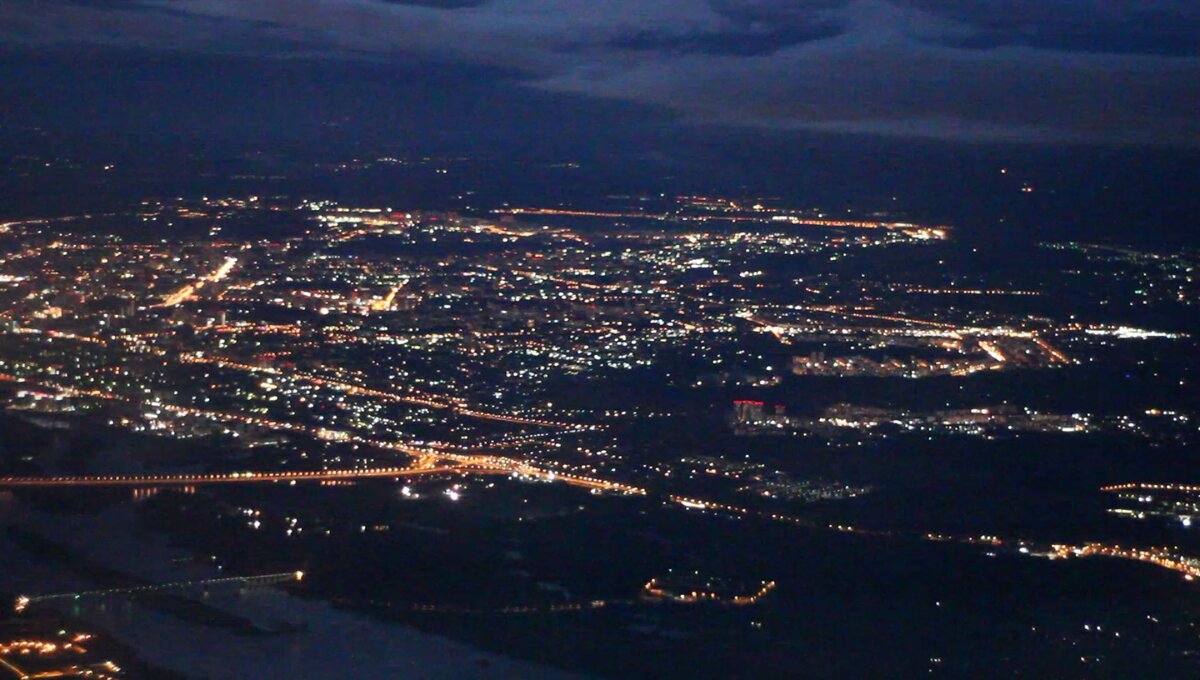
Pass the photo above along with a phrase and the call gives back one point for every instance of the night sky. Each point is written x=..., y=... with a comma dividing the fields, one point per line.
x=1115, y=72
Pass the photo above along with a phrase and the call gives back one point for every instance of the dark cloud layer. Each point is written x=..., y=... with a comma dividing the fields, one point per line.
x=1080, y=71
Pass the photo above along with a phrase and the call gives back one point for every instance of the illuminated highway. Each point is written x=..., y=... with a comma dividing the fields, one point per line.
x=455, y=404
x=425, y=455
x=420, y=398
x=222, y=478
x=1138, y=486
x=189, y=291
x=1166, y=558
x=933, y=232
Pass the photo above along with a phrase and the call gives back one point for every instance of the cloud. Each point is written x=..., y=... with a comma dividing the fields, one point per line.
x=890, y=72
x=1090, y=71
x=1168, y=27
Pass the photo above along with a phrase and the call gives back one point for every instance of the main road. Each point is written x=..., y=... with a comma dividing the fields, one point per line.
x=230, y=477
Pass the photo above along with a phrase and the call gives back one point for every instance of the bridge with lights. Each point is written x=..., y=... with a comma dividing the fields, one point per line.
x=23, y=602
